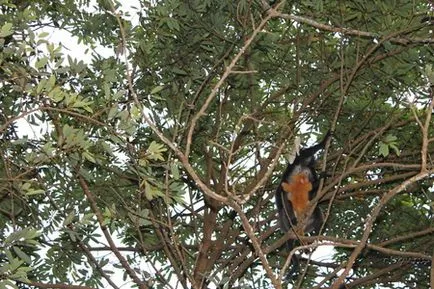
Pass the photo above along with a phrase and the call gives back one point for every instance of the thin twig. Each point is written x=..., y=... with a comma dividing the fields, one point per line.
x=181, y=156
x=387, y=197
x=355, y=32
x=87, y=251
x=227, y=72
x=259, y=252
x=108, y=237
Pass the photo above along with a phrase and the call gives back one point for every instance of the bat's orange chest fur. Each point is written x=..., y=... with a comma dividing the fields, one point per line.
x=297, y=191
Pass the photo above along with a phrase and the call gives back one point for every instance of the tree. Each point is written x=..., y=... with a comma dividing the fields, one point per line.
x=160, y=162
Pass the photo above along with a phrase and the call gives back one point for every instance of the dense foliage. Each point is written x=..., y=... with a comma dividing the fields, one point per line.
x=156, y=164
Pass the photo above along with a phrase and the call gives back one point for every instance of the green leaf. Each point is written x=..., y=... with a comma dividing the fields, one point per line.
x=6, y=30
x=429, y=73
x=67, y=130
x=41, y=86
x=56, y=94
x=390, y=138
x=33, y=192
x=395, y=149
x=41, y=62
x=149, y=191
x=136, y=112
x=89, y=156
x=179, y=71
x=69, y=218
x=384, y=149
x=23, y=235
x=140, y=218
x=22, y=255
x=157, y=89
x=175, y=171
x=25, y=187
x=43, y=34
x=389, y=142
x=113, y=112
x=155, y=150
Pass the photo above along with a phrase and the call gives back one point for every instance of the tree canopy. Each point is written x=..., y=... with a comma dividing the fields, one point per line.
x=156, y=165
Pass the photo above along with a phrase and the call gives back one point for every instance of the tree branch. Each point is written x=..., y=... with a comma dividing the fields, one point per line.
x=228, y=71
x=376, y=211
x=355, y=32
x=112, y=245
